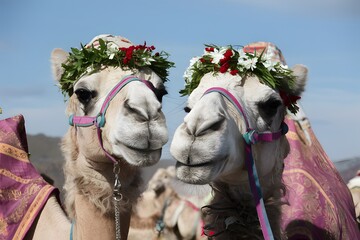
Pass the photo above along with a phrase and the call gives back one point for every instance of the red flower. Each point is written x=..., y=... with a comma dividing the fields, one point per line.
x=288, y=99
x=126, y=60
x=224, y=67
x=234, y=72
x=129, y=52
x=228, y=54
x=209, y=49
x=202, y=60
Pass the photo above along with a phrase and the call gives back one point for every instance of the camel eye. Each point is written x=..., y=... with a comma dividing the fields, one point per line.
x=84, y=95
x=269, y=108
x=160, y=93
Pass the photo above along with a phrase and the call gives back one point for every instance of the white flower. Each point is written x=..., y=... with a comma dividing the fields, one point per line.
x=189, y=71
x=270, y=65
x=217, y=55
x=188, y=75
x=268, y=62
x=248, y=63
x=284, y=66
x=147, y=60
x=193, y=61
x=112, y=49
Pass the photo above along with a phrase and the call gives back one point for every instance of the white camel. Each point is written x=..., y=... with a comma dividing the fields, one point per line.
x=115, y=91
x=354, y=186
x=209, y=146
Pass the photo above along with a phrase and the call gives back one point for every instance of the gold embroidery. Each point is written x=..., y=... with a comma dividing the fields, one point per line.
x=20, y=210
x=32, y=212
x=14, y=152
x=22, y=214
x=9, y=194
x=9, y=174
x=3, y=228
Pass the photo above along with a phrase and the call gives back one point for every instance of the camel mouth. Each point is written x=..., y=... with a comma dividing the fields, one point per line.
x=204, y=164
x=144, y=151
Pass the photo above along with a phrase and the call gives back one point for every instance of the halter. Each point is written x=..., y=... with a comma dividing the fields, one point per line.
x=251, y=137
x=99, y=121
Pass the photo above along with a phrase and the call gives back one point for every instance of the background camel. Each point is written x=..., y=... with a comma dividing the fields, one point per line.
x=354, y=186
x=165, y=211
x=209, y=150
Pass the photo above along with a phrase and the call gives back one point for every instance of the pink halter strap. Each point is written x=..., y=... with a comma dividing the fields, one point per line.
x=252, y=137
x=99, y=120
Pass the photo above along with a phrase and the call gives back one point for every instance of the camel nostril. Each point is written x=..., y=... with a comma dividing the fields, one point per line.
x=217, y=125
x=209, y=126
x=139, y=113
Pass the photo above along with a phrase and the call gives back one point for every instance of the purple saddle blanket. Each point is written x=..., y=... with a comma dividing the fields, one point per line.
x=319, y=205
x=23, y=192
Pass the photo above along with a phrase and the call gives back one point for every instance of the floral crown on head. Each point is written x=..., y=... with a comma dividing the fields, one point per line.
x=106, y=51
x=267, y=64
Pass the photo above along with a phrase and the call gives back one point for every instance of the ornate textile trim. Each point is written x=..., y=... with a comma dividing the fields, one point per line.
x=13, y=152
x=12, y=176
x=33, y=211
x=23, y=192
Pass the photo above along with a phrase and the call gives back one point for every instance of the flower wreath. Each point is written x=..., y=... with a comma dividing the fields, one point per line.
x=238, y=62
x=92, y=58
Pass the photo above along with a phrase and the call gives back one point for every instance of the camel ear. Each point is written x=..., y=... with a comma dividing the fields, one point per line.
x=301, y=73
x=58, y=57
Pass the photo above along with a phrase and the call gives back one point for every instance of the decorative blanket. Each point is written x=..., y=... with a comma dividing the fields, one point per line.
x=23, y=192
x=319, y=203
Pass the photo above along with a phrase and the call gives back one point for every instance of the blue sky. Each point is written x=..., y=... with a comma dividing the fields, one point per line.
x=324, y=35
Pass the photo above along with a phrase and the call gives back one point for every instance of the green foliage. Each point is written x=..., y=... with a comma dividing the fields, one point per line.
x=244, y=64
x=91, y=59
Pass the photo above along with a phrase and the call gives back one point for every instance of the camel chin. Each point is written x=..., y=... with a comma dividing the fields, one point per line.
x=196, y=174
x=140, y=157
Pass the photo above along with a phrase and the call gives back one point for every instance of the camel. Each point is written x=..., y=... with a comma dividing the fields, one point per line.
x=354, y=186
x=166, y=211
x=213, y=146
x=114, y=91
x=209, y=147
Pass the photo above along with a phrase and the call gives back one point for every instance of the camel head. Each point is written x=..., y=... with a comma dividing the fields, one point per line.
x=134, y=128
x=209, y=144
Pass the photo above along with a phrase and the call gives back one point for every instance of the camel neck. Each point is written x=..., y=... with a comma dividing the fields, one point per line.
x=90, y=223
x=51, y=223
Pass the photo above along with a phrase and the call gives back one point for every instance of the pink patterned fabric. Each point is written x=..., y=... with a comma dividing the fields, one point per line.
x=23, y=192
x=319, y=203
